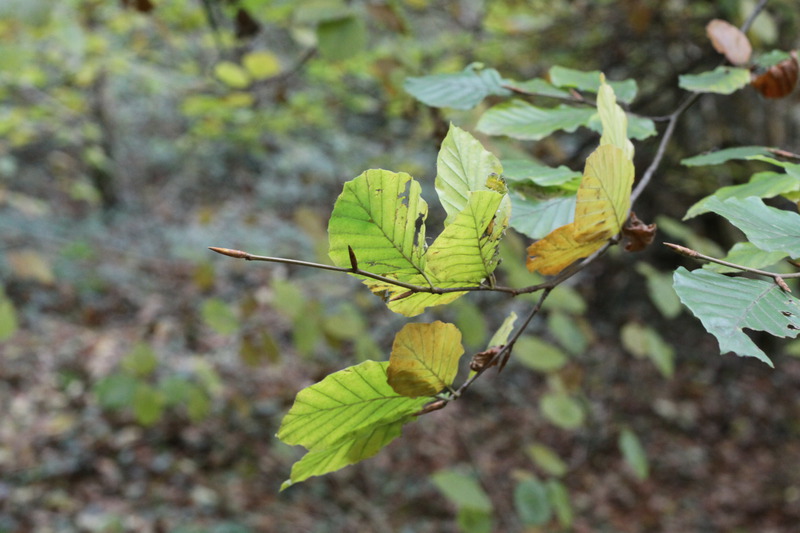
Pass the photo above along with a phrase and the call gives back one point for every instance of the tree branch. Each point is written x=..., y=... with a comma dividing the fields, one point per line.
x=694, y=254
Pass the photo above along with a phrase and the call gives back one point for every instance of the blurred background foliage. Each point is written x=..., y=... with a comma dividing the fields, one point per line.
x=142, y=380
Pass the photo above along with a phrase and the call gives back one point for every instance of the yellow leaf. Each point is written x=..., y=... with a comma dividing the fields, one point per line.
x=558, y=250
x=30, y=265
x=261, y=65
x=604, y=195
x=613, y=119
x=602, y=206
x=424, y=358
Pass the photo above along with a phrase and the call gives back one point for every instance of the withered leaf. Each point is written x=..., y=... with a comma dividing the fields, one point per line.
x=638, y=235
x=483, y=359
x=778, y=80
x=729, y=41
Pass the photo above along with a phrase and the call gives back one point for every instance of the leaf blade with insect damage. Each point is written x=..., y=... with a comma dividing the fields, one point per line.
x=727, y=305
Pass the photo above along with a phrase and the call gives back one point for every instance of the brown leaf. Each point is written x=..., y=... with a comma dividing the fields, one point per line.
x=778, y=80
x=638, y=235
x=142, y=6
x=729, y=41
x=481, y=359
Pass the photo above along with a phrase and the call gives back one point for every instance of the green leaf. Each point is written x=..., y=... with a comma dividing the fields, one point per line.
x=634, y=453
x=141, y=361
x=219, y=316
x=472, y=520
x=559, y=498
x=644, y=341
x=613, y=119
x=761, y=185
x=462, y=90
x=771, y=58
x=116, y=391
x=424, y=358
x=639, y=128
x=539, y=87
x=568, y=332
x=462, y=166
x=232, y=75
x=261, y=64
x=341, y=38
x=746, y=254
x=659, y=288
x=8, y=317
x=502, y=334
x=538, y=354
x=471, y=322
x=521, y=120
x=590, y=81
x=344, y=418
x=536, y=218
x=523, y=171
x=727, y=305
x=772, y=230
x=466, y=251
x=532, y=502
x=722, y=156
x=361, y=445
x=148, y=404
x=562, y=410
x=721, y=80
x=462, y=490
x=381, y=215
x=567, y=299
x=547, y=459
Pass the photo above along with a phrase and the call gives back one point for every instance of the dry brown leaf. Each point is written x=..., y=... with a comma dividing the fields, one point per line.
x=779, y=80
x=729, y=41
x=638, y=235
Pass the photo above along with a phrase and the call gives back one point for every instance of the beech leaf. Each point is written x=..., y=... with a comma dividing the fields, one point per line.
x=603, y=197
x=721, y=80
x=761, y=185
x=729, y=41
x=463, y=166
x=771, y=229
x=722, y=156
x=460, y=90
x=424, y=358
x=726, y=305
x=344, y=418
x=466, y=251
x=602, y=205
x=521, y=120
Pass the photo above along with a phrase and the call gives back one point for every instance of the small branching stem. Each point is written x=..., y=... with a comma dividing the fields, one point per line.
x=694, y=254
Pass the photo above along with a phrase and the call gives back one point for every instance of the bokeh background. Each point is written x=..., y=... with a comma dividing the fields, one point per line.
x=142, y=378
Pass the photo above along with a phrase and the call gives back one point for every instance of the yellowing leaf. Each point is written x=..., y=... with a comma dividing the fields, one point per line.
x=602, y=205
x=30, y=265
x=558, y=250
x=424, y=358
x=604, y=196
x=614, y=120
x=261, y=65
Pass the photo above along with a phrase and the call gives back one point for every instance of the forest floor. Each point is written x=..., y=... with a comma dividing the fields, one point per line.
x=721, y=435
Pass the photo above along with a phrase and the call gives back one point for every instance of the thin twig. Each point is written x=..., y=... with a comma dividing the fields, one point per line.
x=745, y=27
x=239, y=254
x=694, y=254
